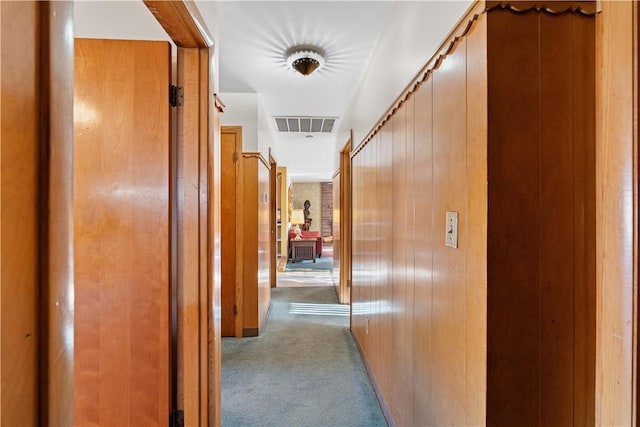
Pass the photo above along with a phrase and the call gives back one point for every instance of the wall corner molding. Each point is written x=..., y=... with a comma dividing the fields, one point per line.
x=551, y=7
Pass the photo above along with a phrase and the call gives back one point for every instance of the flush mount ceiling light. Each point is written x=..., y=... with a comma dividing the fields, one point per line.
x=305, y=61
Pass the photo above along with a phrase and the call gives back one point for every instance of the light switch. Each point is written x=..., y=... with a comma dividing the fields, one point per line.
x=451, y=236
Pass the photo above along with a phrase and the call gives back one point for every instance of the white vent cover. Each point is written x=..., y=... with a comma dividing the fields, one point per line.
x=305, y=124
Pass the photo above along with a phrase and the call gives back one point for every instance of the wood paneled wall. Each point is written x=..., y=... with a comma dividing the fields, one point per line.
x=542, y=218
x=500, y=129
x=255, y=251
x=20, y=193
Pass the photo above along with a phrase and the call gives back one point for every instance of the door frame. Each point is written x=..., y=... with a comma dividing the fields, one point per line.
x=345, y=222
x=198, y=296
x=238, y=229
x=198, y=214
x=273, y=172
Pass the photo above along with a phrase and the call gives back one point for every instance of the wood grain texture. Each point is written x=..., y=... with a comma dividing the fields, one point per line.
x=584, y=134
x=211, y=405
x=449, y=265
x=253, y=219
x=231, y=142
x=346, y=228
x=273, y=251
x=557, y=305
x=476, y=324
x=57, y=90
x=284, y=204
x=19, y=211
x=513, y=377
x=182, y=21
x=335, y=233
x=187, y=178
x=121, y=220
x=491, y=339
x=616, y=28
x=424, y=240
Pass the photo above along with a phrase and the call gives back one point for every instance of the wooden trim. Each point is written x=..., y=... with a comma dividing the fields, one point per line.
x=460, y=30
x=376, y=388
x=188, y=238
x=616, y=226
x=57, y=71
x=182, y=21
x=335, y=174
x=218, y=103
x=462, y=27
x=636, y=175
x=345, y=222
x=239, y=319
x=552, y=7
x=250, y=332
x=206, y=272
x=213, y=223
x=273, y=241
x=250, y=155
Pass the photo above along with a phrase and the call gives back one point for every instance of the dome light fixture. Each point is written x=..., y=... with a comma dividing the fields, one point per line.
x=305, y=61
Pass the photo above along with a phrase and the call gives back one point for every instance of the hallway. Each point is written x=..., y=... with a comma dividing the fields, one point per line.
x=304, y=369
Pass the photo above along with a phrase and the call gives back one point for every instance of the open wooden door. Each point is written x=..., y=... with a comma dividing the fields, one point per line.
x=122, y=232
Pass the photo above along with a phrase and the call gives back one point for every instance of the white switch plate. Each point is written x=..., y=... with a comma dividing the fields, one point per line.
x=451, y=230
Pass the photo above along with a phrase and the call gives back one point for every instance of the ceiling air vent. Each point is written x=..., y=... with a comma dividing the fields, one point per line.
x=305, y=124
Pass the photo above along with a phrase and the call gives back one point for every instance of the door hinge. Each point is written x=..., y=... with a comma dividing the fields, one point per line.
x=235, y=309
x=177, y=418
x=176, y=96
x=235, y=156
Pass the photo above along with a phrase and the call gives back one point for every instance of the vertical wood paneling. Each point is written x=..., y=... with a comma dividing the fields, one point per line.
x=449, y=265
x=476, y=325
x=501, y=132
x=424, y=240
x=19, y=216
x=400, y=339
x=584, y=152
x=121, y=216
x=616, y=112
x=556, y=220
x=513, y=385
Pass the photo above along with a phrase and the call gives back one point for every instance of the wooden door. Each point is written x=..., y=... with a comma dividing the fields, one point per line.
x=122, y=232
x=19, y=211
x=231, y=138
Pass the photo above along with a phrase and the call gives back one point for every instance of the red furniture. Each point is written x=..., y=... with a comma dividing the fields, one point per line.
x=308, y=235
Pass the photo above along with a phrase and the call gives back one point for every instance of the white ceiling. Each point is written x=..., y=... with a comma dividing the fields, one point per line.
x=372, y=50
x=255, y=35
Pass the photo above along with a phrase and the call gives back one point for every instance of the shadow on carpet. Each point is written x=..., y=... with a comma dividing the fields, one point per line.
x=324, y=263
x=303, y=371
